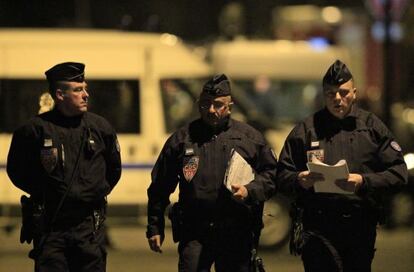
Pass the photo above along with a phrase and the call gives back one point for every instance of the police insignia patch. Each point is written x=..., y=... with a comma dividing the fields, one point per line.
x=190, y=166
x=48, y=158
x=395, y=146
x=317, y=153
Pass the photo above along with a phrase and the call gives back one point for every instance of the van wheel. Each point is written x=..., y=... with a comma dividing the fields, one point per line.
x=277, y=224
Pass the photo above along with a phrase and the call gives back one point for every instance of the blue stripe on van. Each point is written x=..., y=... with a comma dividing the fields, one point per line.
x=137, y=166
x=140, y=166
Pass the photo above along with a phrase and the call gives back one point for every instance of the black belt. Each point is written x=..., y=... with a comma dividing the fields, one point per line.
x=65, y=223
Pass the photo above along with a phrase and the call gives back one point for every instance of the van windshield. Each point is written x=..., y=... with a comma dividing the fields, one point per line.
x=179, y=97
x=116, y=100
x=263, y=103
x=269, y=103
x=178, y=100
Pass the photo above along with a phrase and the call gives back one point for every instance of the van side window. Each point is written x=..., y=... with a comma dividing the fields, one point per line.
x=276, y=101
x=19, y=101
x=178, y=97
x=116, y=100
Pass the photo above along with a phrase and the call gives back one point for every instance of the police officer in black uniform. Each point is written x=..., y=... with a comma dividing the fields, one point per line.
x=68, y=160
x=339, y=230
x=215, y=225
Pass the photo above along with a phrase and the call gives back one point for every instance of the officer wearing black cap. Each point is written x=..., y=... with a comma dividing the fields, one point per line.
x=68, y=161
x=336, y=231
x=212, y=224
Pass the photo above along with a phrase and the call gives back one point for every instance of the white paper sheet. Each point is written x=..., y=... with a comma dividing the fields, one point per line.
x=238, y=171
x=330, y=173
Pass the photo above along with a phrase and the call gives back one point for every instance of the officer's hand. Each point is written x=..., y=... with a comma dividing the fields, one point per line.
x=351, y=184
x=155, y=243
x=307, y=179
x=239, y=191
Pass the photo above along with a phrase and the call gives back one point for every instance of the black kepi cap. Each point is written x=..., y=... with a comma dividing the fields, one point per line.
x=217, y=86
x=337, y=74
x=66, y=71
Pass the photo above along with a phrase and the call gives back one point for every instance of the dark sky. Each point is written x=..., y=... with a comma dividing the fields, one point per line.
x=190, y=19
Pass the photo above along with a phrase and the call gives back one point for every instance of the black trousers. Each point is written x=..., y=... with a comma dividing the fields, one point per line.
x=229, y=250
x=78, y=248
x=351, y=235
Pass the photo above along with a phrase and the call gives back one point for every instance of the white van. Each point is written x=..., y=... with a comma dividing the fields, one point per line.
x=142, y=83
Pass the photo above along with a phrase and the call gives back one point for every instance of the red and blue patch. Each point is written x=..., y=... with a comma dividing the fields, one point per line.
x=190, y=167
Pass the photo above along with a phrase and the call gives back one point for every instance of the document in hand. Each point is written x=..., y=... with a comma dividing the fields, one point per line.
x=238, y=171
x=330, y=173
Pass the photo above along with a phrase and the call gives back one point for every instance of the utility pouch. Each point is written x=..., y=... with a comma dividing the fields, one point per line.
x=175, y=214
x=297, y=235
x=32, y=219
x=99, y=215
x=97, y=220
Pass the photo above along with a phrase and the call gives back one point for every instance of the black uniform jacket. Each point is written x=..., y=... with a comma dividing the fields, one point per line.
x=43, y=155
x=362, y=140
x=195, y=157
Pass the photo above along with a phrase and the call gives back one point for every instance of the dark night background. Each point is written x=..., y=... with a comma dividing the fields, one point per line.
x=194, y=20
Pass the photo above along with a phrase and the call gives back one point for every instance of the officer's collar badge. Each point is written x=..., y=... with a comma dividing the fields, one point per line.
x=396, y=146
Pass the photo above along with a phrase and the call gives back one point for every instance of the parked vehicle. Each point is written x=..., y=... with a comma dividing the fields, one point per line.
x=140, y=82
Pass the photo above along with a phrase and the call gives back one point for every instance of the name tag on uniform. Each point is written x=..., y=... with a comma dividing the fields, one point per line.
x=314, y=144
x=189, y=151
x=47, y=142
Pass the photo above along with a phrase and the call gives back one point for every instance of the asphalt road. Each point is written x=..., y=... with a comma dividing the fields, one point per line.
x=395, y=253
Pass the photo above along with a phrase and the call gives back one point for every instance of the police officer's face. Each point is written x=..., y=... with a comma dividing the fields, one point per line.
x=214, y=110
x=74, y=98
x=339, y=99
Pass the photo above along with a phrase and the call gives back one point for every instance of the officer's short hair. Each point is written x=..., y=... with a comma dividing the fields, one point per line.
x=217, y=86
x=337, y=74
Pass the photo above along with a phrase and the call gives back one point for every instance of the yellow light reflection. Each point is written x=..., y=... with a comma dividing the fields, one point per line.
x=332, y=15
x=409, y=160
x=169, y=39
x=408, y=115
